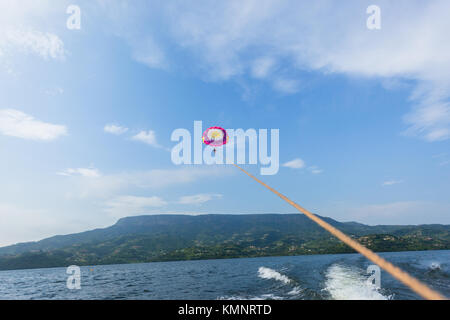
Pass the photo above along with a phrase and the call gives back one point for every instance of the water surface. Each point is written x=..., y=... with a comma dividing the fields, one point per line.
x=341, y=276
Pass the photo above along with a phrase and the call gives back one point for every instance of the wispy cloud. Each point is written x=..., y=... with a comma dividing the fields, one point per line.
x=84, y=172
x=315, y=170
x=148, y=52
x=131, y=205
x=147, y=137
x=54, y=91
x=199, y=198
x=262, y=67
x=431, y=117
x=44, y=44
x=115, y=129
x=226, y=40
x=20, y=223
x=18, y=124
x=442, y=158
x=414, y=212
x=288, y=86
x=109, y=185
x=21, y=31
x=391, y=182
x=122, y=206
x=295, y=164
x=300, y=164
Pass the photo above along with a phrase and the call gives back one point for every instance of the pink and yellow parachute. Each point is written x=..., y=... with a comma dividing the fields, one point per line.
x=215, y=137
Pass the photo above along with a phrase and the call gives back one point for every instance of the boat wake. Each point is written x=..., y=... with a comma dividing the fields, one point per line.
x=270, y=274
x=285, y=287
x=267, y=273
x=346, y=283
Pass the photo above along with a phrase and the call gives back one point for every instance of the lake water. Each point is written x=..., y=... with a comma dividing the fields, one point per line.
x=341, y=276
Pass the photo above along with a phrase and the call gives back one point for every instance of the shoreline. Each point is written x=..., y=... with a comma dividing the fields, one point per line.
x=218, y=259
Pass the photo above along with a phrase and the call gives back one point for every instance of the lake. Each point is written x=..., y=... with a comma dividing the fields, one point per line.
x=340, y=276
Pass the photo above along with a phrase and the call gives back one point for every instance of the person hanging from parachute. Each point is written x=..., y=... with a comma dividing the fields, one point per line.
x=215, y=137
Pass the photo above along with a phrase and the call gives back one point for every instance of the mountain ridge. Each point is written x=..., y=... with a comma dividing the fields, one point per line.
x=148, y=238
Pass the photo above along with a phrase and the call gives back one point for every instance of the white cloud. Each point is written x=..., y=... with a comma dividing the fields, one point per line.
x=262, y=67
x=54, y=91
x=288, y=86
x=442, y=158
x=18, y=124
x=19, y=224
x=199, y=198
x=295, y=164
x=440, y=155
x=391, y=182
x=44, y=44
x=87, y=198
x=123, y=206
x=300, y=164
x=138, y=25
x=315, y=170
x=148, y=52
x=21, y=29
x=84, y=172
x=27, y=28
x=148, y=137
x=115, y=129
x=401, y=212
x=226, y=40
x=107, y=185
x=430, y=119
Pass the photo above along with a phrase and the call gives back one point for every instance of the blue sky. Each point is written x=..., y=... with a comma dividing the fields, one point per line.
x=86, y=115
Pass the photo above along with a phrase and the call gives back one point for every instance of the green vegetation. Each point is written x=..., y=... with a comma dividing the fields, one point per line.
x=168, y=238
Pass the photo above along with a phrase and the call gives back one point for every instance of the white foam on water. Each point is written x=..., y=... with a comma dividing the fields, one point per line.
x=268, y=296
x=435, y=266
x=267, y=273
x=345, y=283
x=296, y=291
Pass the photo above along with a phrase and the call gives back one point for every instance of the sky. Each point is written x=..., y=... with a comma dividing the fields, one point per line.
x=86, y=115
